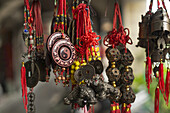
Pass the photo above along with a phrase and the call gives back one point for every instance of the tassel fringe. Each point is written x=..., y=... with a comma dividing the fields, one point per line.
x=148, y=72
x=167, y=86
x=24, y=86
x=157, y=100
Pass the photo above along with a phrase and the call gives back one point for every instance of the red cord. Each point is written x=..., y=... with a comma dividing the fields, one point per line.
x=65, y=15
x=115, y=37
x=150, y=6
x=148, y=72
x=113, y=107
x=161, y=78
x=158, y=4
x=123, y=110
x=128, y=108
x=156, y=109
x=117, y=108
x=24, y=86
x=84, y=31
x=167, y=86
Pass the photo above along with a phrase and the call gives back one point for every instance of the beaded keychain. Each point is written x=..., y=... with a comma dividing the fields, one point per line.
x=154, y=31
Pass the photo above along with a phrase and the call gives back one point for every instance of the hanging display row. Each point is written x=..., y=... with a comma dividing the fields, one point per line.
x=72, y=55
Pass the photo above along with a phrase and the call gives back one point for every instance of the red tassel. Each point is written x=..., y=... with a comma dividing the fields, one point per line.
x=161, y=78
x=24, y=86
x=124, y=108
x=90, y=110
x=157, y=100
x=113, y=108
x=117, y=108
x=167, y=86
x=93, y=109
x=148, y=72
x=128, y=110
x=85, y=109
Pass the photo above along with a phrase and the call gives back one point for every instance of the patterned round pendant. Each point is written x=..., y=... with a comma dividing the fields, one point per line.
x=54, y=38
x=63, y=53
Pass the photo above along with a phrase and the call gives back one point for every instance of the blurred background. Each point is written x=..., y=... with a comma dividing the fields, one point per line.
x=49, y=97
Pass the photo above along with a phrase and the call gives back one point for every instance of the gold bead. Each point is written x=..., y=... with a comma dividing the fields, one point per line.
x=117, y=107
x=99, y=58
x=59, y=78
x=22, y=64
x=97, y=48
x=77, y=67
x=77, y=63
x=113, y=63
x=127, y=88
x=114, y=84
x=113, y=66
x=72, y=71
x=98, y=54
x=93, y=53
x=124, y=104
x=72, y=66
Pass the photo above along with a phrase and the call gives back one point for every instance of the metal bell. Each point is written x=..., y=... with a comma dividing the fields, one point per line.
x=144, y=26
x=160, y=23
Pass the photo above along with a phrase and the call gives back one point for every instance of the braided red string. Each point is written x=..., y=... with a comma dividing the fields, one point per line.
x=84, y=31
x=115, y=37
x=167, y=86
x=150, y=6
x=156, y=108
x=148, y=72
x=158, y=4
x=24, y=87
x=65, y=15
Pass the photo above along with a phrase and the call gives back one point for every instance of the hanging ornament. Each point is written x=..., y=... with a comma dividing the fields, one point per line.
x=60, y=51
x=154, y=31
x=119, y=73
x=33, y=70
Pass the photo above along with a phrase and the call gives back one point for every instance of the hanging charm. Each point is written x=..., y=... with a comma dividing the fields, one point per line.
x=119, y=73
x=154, y=31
